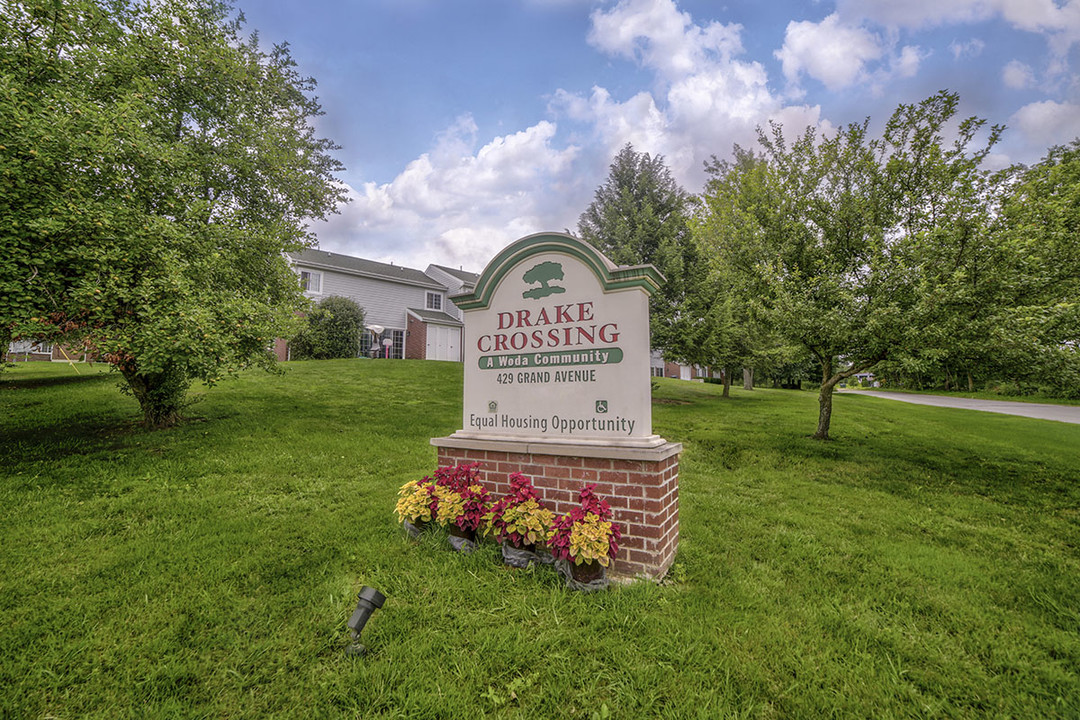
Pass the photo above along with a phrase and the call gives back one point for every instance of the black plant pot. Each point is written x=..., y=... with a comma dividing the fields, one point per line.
x=587, y=572
x=462, y=540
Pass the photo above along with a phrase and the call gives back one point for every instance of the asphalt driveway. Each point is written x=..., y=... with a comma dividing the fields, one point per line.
x=1061, y=413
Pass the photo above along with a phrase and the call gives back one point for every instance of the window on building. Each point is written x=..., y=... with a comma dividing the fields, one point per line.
x=372, y=345
x=657, y=371
x=434, y=301
x=398, y=350
x=311, y=281
x=29, y=347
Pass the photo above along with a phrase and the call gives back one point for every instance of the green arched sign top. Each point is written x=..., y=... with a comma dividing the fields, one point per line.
x=611, y=276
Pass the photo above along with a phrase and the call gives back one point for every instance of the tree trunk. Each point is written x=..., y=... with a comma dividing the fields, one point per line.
x=824, y=412
x=160, y=395
x=748, y=378
x=727, y=382
x=828, y=383
x=971, y=382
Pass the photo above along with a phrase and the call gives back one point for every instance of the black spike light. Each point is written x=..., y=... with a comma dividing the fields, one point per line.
x=367, y=602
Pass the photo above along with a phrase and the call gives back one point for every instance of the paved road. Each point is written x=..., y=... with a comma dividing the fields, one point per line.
x=1061, y=413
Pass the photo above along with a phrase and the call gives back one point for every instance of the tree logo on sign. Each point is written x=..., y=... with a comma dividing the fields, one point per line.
x=543, y=273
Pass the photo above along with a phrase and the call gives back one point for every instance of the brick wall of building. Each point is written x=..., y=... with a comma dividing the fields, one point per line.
x=415, y=340
x=281, y=349
x=643, y=494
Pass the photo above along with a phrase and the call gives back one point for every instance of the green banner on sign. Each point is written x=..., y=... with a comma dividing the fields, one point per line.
x=565, y=358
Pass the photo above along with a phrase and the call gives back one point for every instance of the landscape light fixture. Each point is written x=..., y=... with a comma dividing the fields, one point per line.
x=368, y=601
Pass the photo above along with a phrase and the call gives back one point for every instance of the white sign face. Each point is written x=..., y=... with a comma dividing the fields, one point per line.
x=557, y=347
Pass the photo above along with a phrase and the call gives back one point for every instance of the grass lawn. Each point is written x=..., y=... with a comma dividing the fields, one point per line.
x=926, y=563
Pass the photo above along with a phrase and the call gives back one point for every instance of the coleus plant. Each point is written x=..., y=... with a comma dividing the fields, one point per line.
x=586, y=533
x=458, y=498
x=519, y=518
x=415, y=502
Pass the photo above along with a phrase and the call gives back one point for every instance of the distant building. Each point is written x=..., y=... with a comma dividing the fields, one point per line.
x=36, y=351
x=31, y=350
x=659, y=367
x=407, y=312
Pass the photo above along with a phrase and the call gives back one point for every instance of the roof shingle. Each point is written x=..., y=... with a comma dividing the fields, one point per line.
x=360, y=266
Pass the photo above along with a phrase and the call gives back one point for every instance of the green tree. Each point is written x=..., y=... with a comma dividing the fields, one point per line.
x=155, y=168
x=1041, y=221
x=332, y=330
x=640, y=215
x=735, y=204
x=861, y=249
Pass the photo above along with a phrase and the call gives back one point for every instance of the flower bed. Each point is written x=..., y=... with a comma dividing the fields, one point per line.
x=586, y=539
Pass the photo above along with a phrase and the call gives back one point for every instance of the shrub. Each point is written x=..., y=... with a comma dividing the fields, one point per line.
x=332, y=330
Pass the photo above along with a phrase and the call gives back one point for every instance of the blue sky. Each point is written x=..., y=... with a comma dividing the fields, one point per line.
x=466, y=124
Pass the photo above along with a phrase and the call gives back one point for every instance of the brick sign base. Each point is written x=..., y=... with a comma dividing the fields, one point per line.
x=640, y=484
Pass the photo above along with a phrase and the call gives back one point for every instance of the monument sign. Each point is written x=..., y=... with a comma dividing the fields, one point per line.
x=557, y=347
x=557, y=386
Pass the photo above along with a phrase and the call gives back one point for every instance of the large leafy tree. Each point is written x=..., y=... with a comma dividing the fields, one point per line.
x=1041, y=221
x=640, y=214
x=155, y=165
x=737, y=201
x=860, y=249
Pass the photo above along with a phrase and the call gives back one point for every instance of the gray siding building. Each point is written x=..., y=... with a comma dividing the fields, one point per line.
x=407, y=312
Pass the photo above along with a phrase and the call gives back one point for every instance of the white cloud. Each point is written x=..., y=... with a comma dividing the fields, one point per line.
x=706, y=99
x=907, y=63
x=1017, y=75
x=1059, y=23
x=556, y=3
x=459, y=203
x=830, y=51
x=1031, y=15
x=637, y=121
x=971, y=48
x=453, y=205
x=1047, y=123
x=657, y=35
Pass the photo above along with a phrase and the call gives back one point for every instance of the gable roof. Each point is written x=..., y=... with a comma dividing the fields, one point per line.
x=434, y=316
x=350, y=265
x=463, y=275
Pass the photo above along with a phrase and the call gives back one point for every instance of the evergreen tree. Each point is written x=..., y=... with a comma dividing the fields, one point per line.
x=735, y=203
x=640, y=215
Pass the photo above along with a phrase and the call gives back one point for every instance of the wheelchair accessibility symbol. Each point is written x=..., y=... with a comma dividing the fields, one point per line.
x=601, y=406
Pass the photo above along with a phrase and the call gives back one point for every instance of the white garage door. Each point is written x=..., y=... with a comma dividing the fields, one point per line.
x=443, y=343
